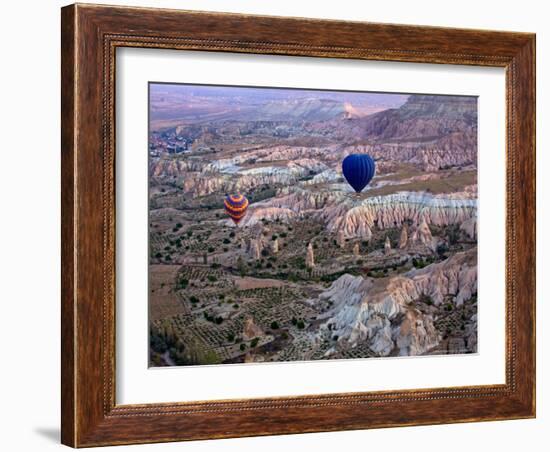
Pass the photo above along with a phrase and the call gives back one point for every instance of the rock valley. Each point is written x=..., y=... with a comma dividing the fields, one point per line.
x=314, y=270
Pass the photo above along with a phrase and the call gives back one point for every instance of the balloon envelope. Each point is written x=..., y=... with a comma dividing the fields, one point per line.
x=358, y=170
x=236, y=206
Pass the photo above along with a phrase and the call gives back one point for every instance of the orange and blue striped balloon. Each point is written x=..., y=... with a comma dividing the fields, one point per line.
x=236, y=206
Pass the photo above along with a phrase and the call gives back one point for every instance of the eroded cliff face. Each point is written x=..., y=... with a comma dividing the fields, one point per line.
x=457, y=149
x=423, y=116
x=381, y=312
x=201, y=184
x=356, y=217
x=259, y=213
x=171, y=167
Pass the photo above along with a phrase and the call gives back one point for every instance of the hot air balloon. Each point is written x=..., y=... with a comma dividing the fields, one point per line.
x=358, y=170
x=236, y=206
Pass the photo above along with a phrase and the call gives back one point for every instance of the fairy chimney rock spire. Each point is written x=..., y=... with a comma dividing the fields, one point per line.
x=310, y=259
x=341, y=238
x=275, y=246
x=387, y=245
x=404, y=237
x=254, y=249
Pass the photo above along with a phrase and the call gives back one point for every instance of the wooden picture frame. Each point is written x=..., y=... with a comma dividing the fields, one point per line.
x=90, y=36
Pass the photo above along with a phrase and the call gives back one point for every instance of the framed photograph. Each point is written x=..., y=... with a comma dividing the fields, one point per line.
x=281, y=225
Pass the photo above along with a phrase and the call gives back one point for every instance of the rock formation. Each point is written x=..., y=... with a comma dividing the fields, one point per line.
x=258, y=213
x=403, y=238
x=341, y=239
x=387, y=246
x=251, y=330
x=356, y=249
x=456, y=276
x=171, y=167
x=379, y=311
x=356, y=218
x=275, y=246
x=364, y=231
x=416, y=334
x=393, y=210
x=425, y=235
x=469, y=227
x=310, y=260
x=254, y=249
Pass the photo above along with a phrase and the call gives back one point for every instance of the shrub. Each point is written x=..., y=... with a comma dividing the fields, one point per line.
x=157, y=342
x=254, y=342
x=183, y=283
x=274, y=325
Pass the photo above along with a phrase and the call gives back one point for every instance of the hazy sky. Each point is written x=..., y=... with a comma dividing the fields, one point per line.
x=260, y=95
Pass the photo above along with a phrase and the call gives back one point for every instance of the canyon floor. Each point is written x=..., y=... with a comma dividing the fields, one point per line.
x=314, y=270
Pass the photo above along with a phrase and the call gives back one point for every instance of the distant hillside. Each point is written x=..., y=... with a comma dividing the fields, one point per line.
x=422, y=117
x=173, y=105
x=313, y=109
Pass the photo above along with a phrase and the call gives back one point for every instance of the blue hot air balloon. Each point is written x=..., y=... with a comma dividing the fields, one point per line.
x=358, y=170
